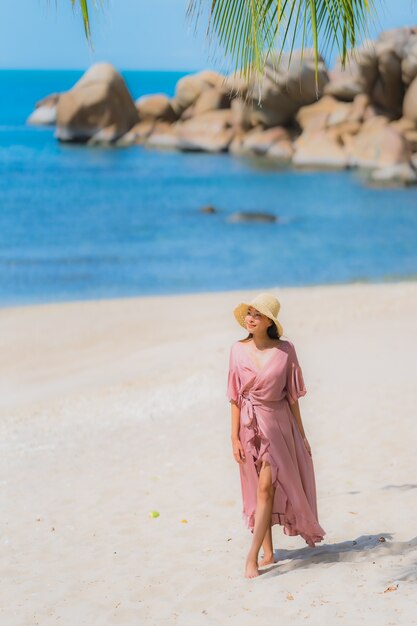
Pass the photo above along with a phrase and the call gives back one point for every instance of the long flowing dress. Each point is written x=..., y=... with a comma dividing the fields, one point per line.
x=269, y=432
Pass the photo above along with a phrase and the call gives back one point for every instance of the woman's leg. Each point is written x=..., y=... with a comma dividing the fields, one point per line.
x=265, y=495
x=268, y=548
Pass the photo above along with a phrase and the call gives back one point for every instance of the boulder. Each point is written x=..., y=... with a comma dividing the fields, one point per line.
x=260, y=141
x=380, y=69
x=359, y=108
x=366, y=61
x=409, y=61
x=189, y=88
x=206, y=142
x=296, y=75
x=45, y=111
x=236, y=84
x=236, y=145
x=410, y=102
x=156, y=107
x=164, y=136
x=211, y=99
x=379, y=145
x=286, y=88
x=318, y=149
x=400, y=174
x=274, y=99
x=348, y=141
x=388, y=90
x=358, y=76
x=241, y=114
x=374, y=123
x=339, y=119
x=327, y=111
x=249, y=216
x=276, y=108
x=411, y=137
x=403, y=125
x=99, y=100
x=281, y=151
x=274, y=143
x=137, y=134
x=371, y=112
x=210, y=132
x=343, y=84
x=396, y=39
x=339, y=132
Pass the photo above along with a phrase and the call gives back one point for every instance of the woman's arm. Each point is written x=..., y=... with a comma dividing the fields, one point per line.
x=238, y=451
x=295, y=410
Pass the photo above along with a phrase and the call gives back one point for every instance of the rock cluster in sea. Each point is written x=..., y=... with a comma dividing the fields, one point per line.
x=364, y=116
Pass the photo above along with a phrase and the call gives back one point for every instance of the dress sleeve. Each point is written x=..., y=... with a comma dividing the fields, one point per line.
x=233, y=382
x=295, y=382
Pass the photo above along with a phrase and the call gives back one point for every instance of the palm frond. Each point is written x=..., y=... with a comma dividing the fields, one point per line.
x=248, y=30
x=83, y=4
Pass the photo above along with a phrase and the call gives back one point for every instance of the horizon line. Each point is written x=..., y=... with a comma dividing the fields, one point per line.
x=83, y=69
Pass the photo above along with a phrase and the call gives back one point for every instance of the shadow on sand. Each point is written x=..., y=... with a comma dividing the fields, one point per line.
x=364, y=547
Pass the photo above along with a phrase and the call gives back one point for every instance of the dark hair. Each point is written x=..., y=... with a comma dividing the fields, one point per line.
x=271, y=331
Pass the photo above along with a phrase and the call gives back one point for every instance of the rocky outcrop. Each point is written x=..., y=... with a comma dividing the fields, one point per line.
x=98, y=109
x=410, y=102
x=45, y=111
x=138, y=134
x=252, y=216
x=163, y=136
x=274, y=143
x=381, y=69
x=394, y=175
x=189, y=89
x=379, y=145
x=364, y=116
x=326, y=112
x=282, y=89
x=211, y=99
x=156, y=107
x=209, y=132
x=409, y=62
x=320, y=150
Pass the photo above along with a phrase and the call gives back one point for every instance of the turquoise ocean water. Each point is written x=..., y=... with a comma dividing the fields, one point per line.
x=87, y=223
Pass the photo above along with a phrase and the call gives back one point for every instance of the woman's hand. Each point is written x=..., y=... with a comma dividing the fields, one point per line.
x=307, y=445
x=238, y=451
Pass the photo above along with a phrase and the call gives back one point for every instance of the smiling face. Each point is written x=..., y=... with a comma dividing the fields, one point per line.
x=256, y=322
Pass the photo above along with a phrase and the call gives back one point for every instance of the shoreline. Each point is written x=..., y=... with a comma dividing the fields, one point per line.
x=409, y=278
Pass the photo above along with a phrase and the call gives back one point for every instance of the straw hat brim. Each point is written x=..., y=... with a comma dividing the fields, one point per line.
x=242, y=308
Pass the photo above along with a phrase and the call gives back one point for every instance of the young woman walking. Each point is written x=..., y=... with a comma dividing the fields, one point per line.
x=268, y=439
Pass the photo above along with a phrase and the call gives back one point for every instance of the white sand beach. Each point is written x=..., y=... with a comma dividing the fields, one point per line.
x=112, y=409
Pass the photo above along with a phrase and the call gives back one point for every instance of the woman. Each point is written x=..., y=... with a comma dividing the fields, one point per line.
x=276, y=468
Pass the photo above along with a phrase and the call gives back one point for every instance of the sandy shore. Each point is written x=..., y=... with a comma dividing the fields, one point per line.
x=112, y=409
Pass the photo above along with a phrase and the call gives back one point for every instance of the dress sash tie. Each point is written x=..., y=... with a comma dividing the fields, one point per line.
x=247, y=409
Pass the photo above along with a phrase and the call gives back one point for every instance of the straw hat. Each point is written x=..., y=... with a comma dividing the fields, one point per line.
x=265, y=303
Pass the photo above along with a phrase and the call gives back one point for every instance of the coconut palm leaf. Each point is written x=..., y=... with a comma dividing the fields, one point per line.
x=248, y=30
x=83, y=4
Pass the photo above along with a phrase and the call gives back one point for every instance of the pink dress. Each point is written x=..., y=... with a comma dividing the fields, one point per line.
x=268, y=431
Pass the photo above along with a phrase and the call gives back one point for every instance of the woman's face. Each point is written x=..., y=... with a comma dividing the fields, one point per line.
x=256, y=322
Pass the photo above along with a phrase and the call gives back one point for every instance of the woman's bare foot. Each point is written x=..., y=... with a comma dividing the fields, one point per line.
x=251, y=569
x=267, y=559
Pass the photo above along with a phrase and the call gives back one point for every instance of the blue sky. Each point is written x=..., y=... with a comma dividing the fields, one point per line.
x=131, y=34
